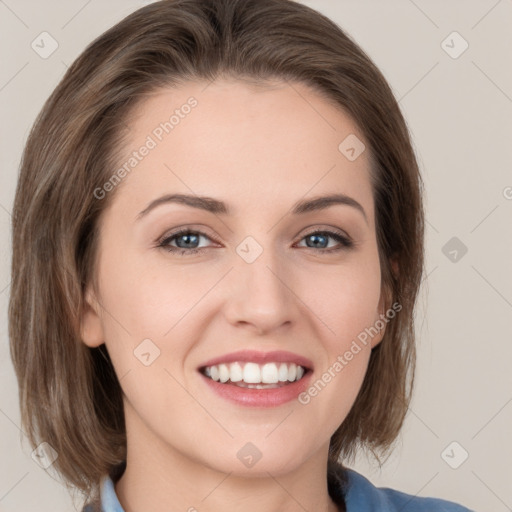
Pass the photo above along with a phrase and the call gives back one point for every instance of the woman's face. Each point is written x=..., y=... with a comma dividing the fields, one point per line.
x=263, y=294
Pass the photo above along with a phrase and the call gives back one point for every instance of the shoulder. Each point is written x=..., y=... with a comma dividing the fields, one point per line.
x=361, y=495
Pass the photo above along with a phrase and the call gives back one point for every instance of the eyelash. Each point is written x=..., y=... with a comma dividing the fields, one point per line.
x=346, y=243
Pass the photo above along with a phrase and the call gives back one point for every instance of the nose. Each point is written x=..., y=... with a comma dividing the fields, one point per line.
x=261, y=296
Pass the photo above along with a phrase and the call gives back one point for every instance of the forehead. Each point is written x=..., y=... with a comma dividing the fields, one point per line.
x=251, y=146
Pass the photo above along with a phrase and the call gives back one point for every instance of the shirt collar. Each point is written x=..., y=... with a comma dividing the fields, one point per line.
x=359, y=494
x=109, y=501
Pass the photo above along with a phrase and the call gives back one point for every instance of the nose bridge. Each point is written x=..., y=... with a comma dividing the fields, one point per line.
x=261, y=296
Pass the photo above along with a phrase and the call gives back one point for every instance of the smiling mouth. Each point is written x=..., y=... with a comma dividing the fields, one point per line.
x=255, y=376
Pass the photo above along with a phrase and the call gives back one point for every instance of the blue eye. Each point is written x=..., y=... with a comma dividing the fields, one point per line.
x=187, y=241
x=319, y=238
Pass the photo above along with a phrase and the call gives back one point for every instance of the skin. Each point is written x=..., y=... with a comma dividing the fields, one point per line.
x=258, y=149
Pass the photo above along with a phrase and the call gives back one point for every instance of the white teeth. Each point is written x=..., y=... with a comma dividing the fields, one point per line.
x=236, y=372
x=252, y=373
x=283, y=372
x=223, y=373
x=268, y=374
x=214, y=372
x=292, y=372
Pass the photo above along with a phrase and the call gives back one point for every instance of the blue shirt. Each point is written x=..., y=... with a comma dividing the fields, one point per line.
x=360, y=496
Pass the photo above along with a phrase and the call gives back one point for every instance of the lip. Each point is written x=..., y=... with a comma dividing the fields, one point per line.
x=254, y=356
x=272, y=397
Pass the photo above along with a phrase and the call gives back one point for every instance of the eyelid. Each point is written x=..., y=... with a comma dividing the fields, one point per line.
x=201, y=230
x=324, y=228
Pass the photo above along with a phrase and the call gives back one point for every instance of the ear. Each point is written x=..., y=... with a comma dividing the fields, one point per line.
x=91, y=328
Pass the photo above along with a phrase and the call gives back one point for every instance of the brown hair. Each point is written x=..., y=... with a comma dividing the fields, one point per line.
x=70, y=396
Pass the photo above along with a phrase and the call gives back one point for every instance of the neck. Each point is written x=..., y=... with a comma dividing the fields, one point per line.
x=158, y=477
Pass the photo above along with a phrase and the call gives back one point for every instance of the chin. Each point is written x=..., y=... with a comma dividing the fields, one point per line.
x=250, y=461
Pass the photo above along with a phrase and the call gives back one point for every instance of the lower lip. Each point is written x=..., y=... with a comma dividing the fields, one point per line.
x=272, y=397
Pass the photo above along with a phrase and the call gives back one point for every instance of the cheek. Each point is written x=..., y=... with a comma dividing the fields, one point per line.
x=347, y=318
x=346, y=299
x=145, y=315
x=146, y=300
x=143, y=308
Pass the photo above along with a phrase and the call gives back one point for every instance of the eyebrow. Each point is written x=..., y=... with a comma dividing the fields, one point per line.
x=215, y=206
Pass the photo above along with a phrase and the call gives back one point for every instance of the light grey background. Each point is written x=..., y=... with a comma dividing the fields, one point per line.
x=459, y=111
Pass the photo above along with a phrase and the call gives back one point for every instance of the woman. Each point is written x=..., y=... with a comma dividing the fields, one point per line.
x=218, y=244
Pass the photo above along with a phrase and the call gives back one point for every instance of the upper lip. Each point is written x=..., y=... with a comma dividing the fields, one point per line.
x=255, y=356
